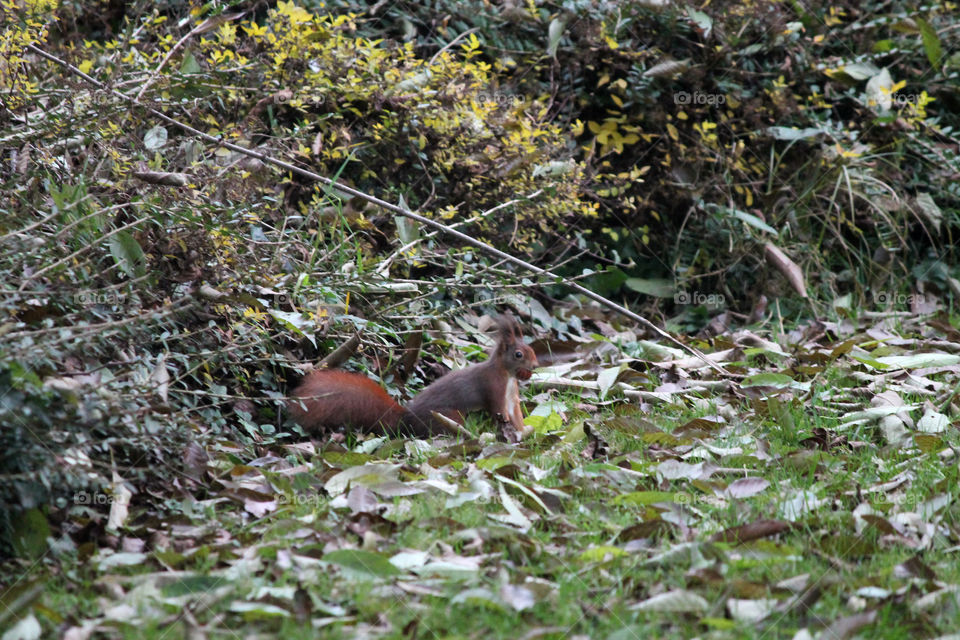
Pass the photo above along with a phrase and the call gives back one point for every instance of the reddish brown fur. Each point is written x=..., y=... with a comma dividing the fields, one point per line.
x=486, y=385
x=330, y=398
x=336, y=398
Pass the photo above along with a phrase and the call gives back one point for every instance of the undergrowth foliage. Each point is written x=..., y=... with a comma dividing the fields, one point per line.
x=308, y=87
x=709, y=132
x=153, y=278
x=160, y=294
x=135, y=252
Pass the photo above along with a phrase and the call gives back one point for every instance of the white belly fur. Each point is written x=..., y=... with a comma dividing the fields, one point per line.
x=511, y=396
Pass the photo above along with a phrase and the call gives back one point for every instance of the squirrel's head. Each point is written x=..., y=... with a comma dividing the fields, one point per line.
x=517, y=356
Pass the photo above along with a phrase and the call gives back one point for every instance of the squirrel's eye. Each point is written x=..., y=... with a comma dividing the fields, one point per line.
x=518, y=354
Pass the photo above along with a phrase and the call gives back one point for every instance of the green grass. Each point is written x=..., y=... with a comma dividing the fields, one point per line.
x=583, y=578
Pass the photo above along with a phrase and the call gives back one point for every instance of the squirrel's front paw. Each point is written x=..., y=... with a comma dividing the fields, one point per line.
x=510, y=434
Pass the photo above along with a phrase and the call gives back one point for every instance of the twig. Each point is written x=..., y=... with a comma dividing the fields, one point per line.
x=385, y=265
x=153, y=314
x=450, y=44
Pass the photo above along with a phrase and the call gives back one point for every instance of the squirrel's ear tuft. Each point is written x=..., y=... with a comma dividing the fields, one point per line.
x=509, y=327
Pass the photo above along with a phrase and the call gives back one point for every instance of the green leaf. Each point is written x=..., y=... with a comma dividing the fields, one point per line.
x=928, y=443
x=122, y=559
x=407, y=230
x=930, y=210
x=191, y=584
x=554, y=33
x=883, y=46
x=29, y=535
x=599, y=554
x=128, y=255
x=843, y=302
x=493, y=462
x=860, y=71
x=21, y=376
x=703, y=21
x=365, y=563
x=778, y=380
x=346, y=458
x=719, y=623
x=643, y=498
x=920, y=360
x=607, y=281
x=676, y=601
x=607, y=378
x=293, y=320
x=545, y=424
x=752, y=220
x=190, y=64
x=479, y=597
x=931, y=43
x=155, y=138
x=656, y=287
x=789, y=133
x=871, y=362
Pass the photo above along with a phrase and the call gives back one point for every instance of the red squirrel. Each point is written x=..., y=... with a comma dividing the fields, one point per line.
x=330, y=398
